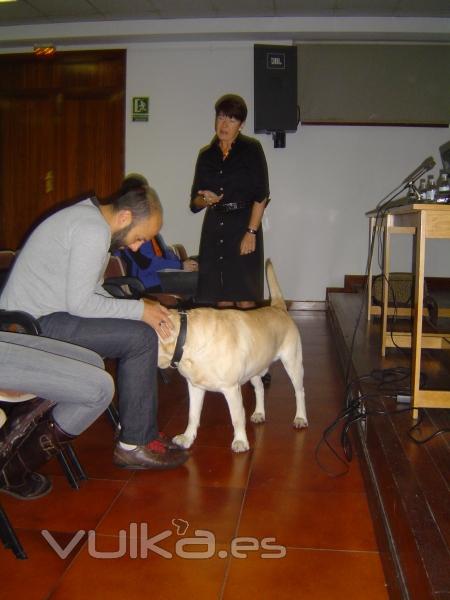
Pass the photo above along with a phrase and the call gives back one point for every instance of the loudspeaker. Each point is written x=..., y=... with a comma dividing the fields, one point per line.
x=275, y=88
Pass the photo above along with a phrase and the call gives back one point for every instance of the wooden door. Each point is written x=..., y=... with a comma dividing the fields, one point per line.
x=27, y=146
x=61, y=134
x=89, y=155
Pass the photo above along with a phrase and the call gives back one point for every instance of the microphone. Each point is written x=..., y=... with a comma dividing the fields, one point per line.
x=426, y=165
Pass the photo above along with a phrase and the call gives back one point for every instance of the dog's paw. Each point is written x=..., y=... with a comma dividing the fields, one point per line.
x=258, y=417
x=183, y=441
x=300, y=423
x=240, y=446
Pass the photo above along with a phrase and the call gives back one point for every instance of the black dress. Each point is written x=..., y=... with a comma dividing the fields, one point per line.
x=242, y=178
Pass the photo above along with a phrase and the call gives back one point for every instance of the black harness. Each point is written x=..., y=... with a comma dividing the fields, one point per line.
x=181, y=339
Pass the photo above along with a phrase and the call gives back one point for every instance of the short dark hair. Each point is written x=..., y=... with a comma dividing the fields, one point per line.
x=232, y=105
x=141, y=201
x=133, y=181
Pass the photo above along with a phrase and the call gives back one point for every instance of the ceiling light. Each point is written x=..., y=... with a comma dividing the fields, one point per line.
x=44, y=51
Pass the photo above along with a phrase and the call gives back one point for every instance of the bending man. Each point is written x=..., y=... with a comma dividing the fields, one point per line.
x=57, y=278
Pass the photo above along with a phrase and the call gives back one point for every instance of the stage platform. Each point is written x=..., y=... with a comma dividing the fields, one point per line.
x=408, y=483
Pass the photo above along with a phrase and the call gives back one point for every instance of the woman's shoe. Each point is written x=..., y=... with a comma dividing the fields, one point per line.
x=26, y=485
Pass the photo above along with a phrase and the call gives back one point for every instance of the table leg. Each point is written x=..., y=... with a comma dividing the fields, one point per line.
x=416, y=341
x=369, y=270
x=386, y=270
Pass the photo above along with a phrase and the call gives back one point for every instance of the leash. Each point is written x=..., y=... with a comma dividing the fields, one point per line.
x=181, y=339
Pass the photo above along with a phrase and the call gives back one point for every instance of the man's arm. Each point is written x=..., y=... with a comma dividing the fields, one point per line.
x=86, y=265
x=86, y=268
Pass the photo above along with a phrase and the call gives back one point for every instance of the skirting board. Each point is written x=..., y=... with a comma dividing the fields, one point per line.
x=306, y=305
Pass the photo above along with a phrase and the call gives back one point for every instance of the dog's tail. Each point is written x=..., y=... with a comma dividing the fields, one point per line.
x=276, y=295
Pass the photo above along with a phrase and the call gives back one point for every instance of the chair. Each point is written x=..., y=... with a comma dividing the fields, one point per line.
x=8, y=536
x=180, y=285
x=118, y=284
x=180, y=251
x=6, y=260
x=21, y=322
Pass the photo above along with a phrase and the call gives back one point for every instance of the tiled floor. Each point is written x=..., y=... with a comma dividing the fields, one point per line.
x=276, y=496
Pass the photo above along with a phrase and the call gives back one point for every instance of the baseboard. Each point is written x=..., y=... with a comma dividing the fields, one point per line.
x=355, y=283
x=294, y=305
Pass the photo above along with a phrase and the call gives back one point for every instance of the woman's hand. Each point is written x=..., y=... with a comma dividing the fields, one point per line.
x=190, y=265
x=209, y=197
x=248, y=243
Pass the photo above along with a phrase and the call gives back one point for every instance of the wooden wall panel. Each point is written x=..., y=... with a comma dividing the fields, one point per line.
x=62, y=133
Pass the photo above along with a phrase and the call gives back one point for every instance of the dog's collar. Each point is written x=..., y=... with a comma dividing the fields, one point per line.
x=179, y=347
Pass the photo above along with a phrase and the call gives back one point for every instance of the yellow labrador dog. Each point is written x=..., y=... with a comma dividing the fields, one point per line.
x=225, y=348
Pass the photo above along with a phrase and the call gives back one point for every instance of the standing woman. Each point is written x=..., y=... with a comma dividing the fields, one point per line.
x=231, y=182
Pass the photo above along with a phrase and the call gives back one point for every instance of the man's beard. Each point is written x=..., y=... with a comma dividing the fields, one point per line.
x=118, y=238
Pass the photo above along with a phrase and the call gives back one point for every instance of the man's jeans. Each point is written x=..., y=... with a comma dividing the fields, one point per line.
x=135, y=345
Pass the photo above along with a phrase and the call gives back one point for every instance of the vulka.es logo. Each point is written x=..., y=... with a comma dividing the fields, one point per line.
x=136, y=543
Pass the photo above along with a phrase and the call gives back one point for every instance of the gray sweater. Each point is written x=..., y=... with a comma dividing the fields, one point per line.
x=61, y=267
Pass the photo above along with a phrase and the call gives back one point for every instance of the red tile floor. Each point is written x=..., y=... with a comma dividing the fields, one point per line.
x=276, y=496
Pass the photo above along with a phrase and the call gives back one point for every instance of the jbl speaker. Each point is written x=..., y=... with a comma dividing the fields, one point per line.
x=275, y=88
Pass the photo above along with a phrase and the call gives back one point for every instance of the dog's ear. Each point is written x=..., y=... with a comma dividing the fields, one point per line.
x=166, y=348
x=166, y=342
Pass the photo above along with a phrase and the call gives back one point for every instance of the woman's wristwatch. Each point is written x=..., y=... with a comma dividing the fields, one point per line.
x=250, y=230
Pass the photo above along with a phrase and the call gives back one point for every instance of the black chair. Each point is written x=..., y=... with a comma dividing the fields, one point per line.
x=178, y=287
x=118, y=284
x=6, y=260
x=8, y=536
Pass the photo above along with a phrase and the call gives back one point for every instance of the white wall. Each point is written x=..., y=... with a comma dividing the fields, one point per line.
x=321, y=183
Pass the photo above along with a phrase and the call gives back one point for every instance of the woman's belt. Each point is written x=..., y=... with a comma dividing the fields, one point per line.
x=229, y=206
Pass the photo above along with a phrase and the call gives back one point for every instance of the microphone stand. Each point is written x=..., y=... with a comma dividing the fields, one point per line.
x=413, y=191
x=409, y=184
x=412, y=181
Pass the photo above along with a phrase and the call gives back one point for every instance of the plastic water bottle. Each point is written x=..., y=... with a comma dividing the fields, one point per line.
x=423, y=190
x=443, y=189
x=431, y=189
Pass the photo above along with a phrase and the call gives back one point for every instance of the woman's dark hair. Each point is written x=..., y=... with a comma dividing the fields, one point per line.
x=232, y=105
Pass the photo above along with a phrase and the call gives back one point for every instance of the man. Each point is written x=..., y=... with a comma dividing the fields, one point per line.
x=57, y=278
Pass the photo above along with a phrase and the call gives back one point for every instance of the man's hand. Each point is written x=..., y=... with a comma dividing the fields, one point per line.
x=158, y=317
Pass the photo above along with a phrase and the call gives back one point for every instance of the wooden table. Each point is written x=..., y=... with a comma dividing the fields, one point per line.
x=423, y=221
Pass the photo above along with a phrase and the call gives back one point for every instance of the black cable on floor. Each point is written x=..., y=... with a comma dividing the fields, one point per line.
x=422, y=441
x=356, y=409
